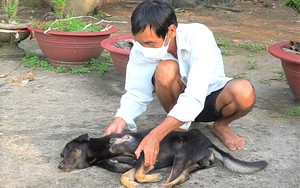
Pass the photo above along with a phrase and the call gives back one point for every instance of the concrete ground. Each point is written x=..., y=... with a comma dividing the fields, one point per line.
x=38, y=120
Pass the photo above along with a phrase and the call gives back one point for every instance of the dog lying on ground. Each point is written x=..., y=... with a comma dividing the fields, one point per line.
x=186, y=152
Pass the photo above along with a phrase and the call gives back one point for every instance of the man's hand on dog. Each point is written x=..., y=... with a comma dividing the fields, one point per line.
x=150, y=147
x=117, y=126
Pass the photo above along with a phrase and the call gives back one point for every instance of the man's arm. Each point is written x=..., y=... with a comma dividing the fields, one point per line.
x=150, y=144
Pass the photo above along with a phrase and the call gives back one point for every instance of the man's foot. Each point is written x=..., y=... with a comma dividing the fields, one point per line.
x=229, y=139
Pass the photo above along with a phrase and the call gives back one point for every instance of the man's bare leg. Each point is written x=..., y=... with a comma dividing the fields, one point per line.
x=235, y=101
x=168, y=84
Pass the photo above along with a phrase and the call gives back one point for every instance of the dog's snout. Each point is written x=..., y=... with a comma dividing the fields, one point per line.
x=60, y=166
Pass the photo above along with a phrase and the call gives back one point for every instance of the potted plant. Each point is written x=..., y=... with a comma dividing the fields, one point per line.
x=119, y=50
x=288, y=53
x=12, y=30
x=72, y=40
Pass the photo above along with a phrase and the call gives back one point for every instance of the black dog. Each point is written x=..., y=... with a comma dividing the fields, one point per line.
x=185, y=151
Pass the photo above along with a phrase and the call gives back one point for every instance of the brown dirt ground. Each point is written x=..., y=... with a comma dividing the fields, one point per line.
x=265, y=22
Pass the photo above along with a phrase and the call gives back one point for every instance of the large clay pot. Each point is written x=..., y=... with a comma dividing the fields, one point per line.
x=119, y=56
x=291, y=65
x=70, y=48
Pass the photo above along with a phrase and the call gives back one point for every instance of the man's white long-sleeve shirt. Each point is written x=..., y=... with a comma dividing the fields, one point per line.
x=201, y=69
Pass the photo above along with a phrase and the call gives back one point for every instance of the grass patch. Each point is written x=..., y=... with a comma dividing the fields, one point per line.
x=265, y=82
x=230, y=48
x=293, y=112
x=238, y=76
x=294, y=4
x=252, y=65
x=253, y=47
x=98, y=66
x=281, y=75
x=225, y=47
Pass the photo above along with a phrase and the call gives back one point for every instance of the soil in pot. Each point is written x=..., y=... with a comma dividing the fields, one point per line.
x=124, y=44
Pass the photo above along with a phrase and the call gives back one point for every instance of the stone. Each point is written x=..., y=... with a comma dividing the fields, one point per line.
x=79, y=7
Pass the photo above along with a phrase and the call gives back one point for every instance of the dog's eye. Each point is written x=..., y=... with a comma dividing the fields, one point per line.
x=72, y=162
x=69, y=150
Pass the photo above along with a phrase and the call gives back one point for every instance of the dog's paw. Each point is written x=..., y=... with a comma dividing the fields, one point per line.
x=170, y=185
x=156, y=177
x=148, y=177
x=133, y=185
x=167, y=185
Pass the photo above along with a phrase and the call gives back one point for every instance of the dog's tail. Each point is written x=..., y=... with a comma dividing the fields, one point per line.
x=237, y=165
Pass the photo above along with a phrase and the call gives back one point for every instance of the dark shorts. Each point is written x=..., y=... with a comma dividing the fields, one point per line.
x=209, y=113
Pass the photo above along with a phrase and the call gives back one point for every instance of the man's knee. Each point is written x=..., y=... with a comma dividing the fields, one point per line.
x=166, y=72
x=243, y=93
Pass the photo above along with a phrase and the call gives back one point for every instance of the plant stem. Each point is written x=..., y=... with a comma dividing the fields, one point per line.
x=16, y=6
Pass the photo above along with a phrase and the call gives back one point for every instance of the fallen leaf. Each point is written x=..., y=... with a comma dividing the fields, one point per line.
x=24, y=83
x=31, y=77
x=14, y=79
x=4, y=75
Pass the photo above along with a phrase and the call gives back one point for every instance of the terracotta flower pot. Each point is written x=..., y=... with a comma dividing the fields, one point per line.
x=70, y=48
x=291, y=66
x=119, y=56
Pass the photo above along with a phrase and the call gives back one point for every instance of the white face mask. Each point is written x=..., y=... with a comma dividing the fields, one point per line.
x=156, y=53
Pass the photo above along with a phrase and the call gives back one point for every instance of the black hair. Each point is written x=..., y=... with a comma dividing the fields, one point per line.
x=156, y=14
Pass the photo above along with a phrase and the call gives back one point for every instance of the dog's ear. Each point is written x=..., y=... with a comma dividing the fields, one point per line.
x=84, y=137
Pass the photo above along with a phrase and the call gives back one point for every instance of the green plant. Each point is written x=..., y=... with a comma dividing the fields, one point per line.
x=59, y=6
x=69, y=23
x=281, y=75
x=252, y=65
x=30, y=60
x=11, y=9
x=100, y=14
x=265, y=82
x=293, y=112
x=225, y=47
x=253, y=47
x=238, y=76
x=228, y=47
x=100, y=68
x=97, y=66
x=295, y=4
